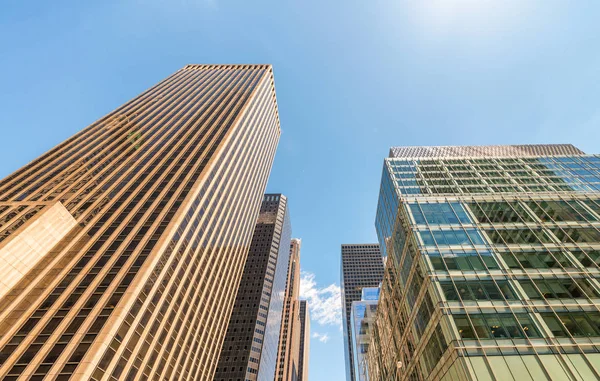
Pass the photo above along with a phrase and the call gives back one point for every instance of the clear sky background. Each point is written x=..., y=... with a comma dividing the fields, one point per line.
x=352, y=77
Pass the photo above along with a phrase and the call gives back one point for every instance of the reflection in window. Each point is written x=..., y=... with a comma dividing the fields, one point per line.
x=583, y=235
x=465, y=260
x=518, y=236
x=500, y=212
x=558, y=289
x=452, y=237
x=536, y=259
x=559, y=211
x=477, y=290
x=442, y=213
x=580, y=324
x=495, y=326
x=588, y=258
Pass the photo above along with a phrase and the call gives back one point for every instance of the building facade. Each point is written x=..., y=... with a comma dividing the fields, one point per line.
x=361, y=266
x=289, y=340
x=304, y=341
x=153, y=208
x=492, y=270
x=362, y=315
x=249, y=351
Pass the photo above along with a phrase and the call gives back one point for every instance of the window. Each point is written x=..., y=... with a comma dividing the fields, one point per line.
x=585, y=235
x=442, y=213
x=465, y=260
x=500, y=212
x=558, y=289
x=518, y=236
x=588, y=258
x=577, y=324
x=495, y=326
x=559, y=211
x=535, y=259
x=478, y=290
x=452, y=237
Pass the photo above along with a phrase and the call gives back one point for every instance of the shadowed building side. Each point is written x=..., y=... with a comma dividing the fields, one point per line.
x=250, y=348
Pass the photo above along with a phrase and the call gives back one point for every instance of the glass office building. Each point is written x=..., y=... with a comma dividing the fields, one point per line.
x=493, y=264
x=362, y=316
x=121, y=249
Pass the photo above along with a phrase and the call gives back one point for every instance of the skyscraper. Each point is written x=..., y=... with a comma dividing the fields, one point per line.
x=289, y=340
x=361, y=266
x=304, y=341
x=154, y=206
x=493, y=264
x=250, y=348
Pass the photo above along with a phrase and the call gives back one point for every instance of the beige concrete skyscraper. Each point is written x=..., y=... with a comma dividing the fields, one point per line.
x=289, y=340
x=121, y=248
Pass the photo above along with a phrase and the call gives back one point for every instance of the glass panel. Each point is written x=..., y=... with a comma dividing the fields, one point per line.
x=500, y=212
x=417, y=214
x=496, y=327
x=427, y=238
x=464, y=328
x=449, y=291
x=481, y=327
x=527, y=325
x=554, y=325
x=492, y=290
x=530, y=290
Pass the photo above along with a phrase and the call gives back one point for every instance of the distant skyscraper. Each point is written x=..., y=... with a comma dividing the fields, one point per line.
x=493, y=264
x=304, y=341
x=361, y=266
x=250, y=348
x=122, y=248
x=289, y=341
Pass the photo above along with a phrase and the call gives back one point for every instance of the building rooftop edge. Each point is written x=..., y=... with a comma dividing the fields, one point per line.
x=522, y=150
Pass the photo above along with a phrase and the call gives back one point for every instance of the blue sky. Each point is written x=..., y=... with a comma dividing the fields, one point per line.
x=353, y=78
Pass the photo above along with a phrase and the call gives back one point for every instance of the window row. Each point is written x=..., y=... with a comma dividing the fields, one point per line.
x=495, y=326
x=537, y=289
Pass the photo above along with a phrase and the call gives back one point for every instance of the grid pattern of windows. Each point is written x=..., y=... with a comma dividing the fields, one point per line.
x=164, y=225
x=493, y=270
x=495, y=175
x=260, y=289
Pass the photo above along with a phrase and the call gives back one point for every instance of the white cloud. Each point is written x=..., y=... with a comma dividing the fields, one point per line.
x=324, y=303
x=321, y=337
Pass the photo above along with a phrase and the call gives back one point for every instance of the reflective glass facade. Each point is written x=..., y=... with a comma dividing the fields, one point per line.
x=492, y=270
x=165, y=192
x=362, y=316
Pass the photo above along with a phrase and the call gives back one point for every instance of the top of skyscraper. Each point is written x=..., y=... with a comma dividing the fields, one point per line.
x=485, y=151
